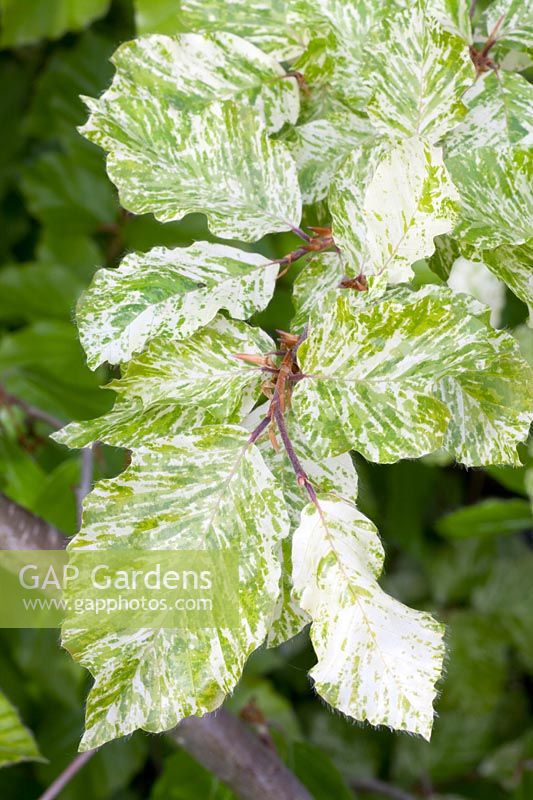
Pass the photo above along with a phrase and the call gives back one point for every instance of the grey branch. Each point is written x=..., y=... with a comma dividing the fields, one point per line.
x=220, y=742
x=226, y=747
x=22, y=530
x=87, y=469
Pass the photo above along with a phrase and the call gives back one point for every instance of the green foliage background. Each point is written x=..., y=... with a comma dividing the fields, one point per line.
x=458, y=542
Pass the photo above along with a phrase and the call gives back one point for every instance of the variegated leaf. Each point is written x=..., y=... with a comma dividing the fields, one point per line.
x=491, y=411
x=378, y=660
x=16, y=741
x=513, y=264
x=190, y=71
x=336, y=475
x=129, y=424
x=204, y=490
x=219, y=162
x=201, y=371
x=419, y=74
x=317, y=286
x=388, y=208
x=269, y=25
x=379, y=379
x=170, y=293
x=346, y=29
x=496, y=188
x=454, y=16
x=516, y=28
x=319, y=147
x=500, y=114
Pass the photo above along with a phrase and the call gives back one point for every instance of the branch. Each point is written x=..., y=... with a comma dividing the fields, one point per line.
x=87, y=469
x=66, y=776
x=22, y=530
x=226, y=747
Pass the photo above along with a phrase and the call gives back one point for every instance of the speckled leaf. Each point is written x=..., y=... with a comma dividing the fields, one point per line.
x=269, y=25
x=376, y=378
x=129, y=424
x=513, y=264
x=170, y=293
x=347, y=31
x=500, y=114
x=204, y=490
x=454, y=16
x=388, y=208
x=319, y=147
x=378, y=660
x=419, y=73
x=496, y=188
x=516, y=29
x=316, y=287
x=200, y=371
x=219, y=162
x=16, y=742
x=190, y=71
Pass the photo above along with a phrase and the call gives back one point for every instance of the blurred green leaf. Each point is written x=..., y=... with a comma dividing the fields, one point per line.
x=37, y=291
x=44, y=365
x=491, y=517
x=25, y=21
x=70, y=189
x=183, y=778
x=79, y=69
x=318, y=773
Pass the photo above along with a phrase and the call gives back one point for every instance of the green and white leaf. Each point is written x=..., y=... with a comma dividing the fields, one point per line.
x=496, y=188
x=26, y=22
x=201, y=371
x=219, y=162
x=516, y=29
x=419, y=74
x=316, y=286
x=378, y=660
x=389, y=379
x=190, y=71
x=513, y=264
x=454, y=16
x=270, y=26
x=346, y=29
x=169, y=293
x=319, y=147
x=204, y=490
x=129, y=424
x=500, y=114
x=388, y=206
x=16, y=741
